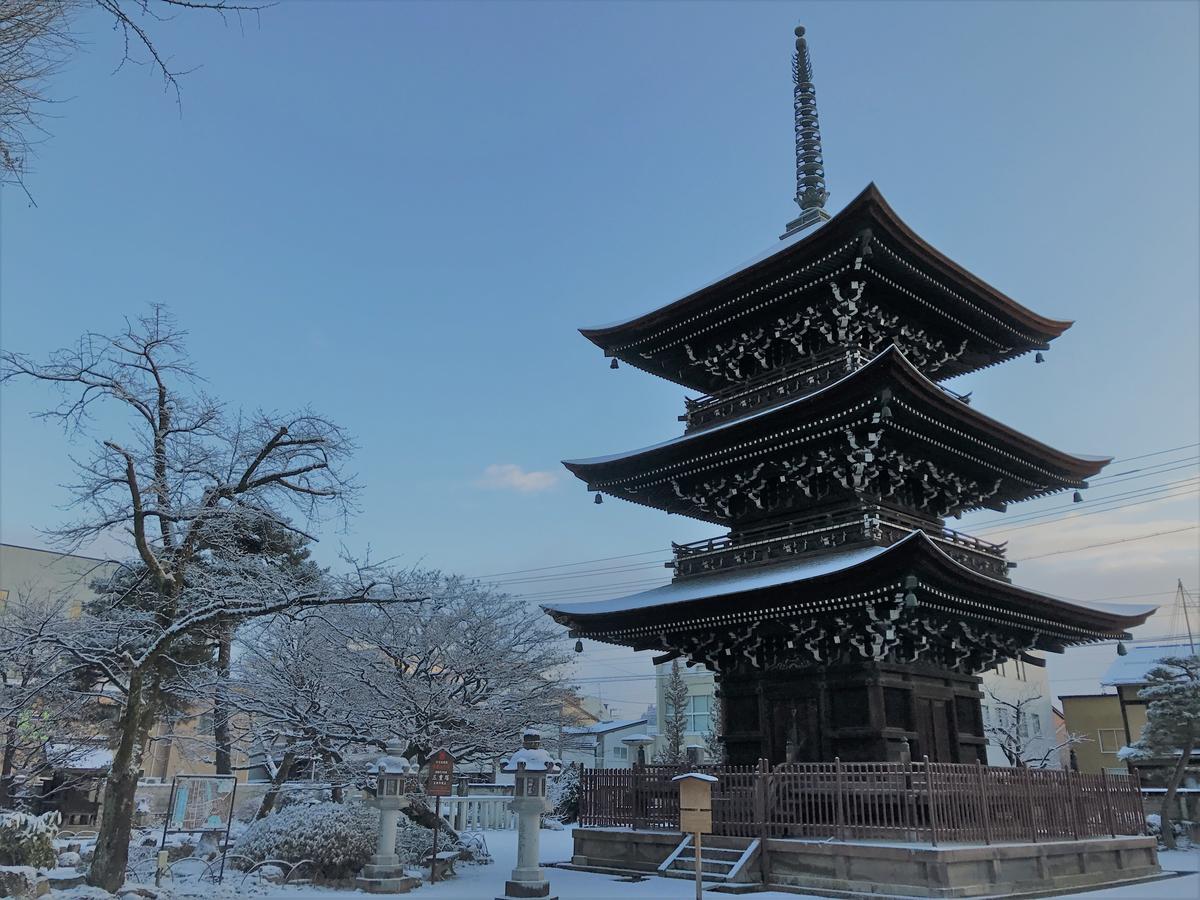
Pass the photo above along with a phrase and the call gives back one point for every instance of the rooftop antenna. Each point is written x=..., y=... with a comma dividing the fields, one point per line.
x=810, y=168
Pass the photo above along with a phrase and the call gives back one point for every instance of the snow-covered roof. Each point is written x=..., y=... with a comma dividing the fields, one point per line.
x=698, y=776
x=532, y=760
x=638, y=739
x=1132, y=668
x=689, y=589
x=88, y=758
x=603, y=727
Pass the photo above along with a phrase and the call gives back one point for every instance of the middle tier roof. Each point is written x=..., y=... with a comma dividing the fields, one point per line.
x=885, y=431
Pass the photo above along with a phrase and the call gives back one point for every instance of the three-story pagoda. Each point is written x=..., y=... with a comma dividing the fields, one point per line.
x=840, y=614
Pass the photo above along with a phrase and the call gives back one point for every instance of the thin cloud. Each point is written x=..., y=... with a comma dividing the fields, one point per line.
x=511, y=477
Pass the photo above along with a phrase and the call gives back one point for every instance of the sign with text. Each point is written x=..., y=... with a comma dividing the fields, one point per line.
x=441, y=775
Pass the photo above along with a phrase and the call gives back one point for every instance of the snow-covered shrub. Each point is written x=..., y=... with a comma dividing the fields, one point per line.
x=27, y=840
x=338, y=837
x=413, y=841
x=564, y=793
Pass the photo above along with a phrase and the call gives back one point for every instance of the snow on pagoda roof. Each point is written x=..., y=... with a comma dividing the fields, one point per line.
x=890, y=355
x=737, y=581
x=1132, y=668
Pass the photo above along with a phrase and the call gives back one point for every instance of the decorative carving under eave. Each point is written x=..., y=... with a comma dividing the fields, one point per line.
x=844, y=320
x=882, y=631
x=860, y=465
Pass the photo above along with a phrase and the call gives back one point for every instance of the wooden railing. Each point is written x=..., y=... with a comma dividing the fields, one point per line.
x=925, y=802
x=872, y=524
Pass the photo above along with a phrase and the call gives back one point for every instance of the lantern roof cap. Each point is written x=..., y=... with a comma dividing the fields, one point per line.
x=696, y=776
x=638, y=739
x=532, y=760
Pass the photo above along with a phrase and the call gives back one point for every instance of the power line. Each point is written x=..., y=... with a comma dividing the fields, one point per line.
x=1128, y=540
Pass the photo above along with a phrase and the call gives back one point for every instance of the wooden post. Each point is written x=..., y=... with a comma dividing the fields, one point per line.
x=1028, y=783
x=637, y=797
x=437, y=826
x=699, y=871
x=840, y=811
x=933, y=824
x=763, y=812
x=1108, y=810
x=1074, y=806
x=983, y=799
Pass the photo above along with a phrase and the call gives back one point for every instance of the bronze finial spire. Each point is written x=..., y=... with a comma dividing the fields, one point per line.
x=810, y=168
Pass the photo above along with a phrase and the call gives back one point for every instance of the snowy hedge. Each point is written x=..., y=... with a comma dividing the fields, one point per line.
x=27, y=840
x=338, y=837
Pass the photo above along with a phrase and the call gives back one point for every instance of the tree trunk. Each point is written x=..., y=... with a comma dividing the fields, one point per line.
x=116, y=817
x=8, y=762
x=224, y=760
x=420, y=813
x=281, y=775
x=1168, y=834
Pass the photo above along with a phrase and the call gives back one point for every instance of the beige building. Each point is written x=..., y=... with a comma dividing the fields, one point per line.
x=182, y=746
x=1110, y=721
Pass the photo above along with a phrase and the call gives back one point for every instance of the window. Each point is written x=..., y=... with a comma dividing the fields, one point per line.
x=697, y=716
x=1111, y=739
x=1035, y=724
x=621, y=752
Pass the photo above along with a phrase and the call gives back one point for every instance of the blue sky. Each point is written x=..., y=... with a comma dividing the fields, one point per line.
x=400, y=213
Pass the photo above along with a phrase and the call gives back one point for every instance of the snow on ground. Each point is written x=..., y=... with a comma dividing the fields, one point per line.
x=476, y=882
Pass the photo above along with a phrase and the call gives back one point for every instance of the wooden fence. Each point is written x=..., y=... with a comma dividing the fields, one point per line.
x=927, y=802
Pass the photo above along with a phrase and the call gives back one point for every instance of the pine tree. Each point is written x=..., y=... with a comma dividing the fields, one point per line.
x=714, y=740
x=676, y=722
x=1172, y=695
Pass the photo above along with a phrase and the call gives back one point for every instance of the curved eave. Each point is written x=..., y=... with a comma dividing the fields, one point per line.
x=868, y=208
x=888, y=369
x=915, y=554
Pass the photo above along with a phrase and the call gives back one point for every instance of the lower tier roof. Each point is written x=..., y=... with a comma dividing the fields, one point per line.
x=907, y=602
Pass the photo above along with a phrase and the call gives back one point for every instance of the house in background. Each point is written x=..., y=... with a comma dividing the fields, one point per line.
x=599, y=745
x=1110, y=721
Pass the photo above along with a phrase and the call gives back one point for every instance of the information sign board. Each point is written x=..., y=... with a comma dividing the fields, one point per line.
x=441, y=774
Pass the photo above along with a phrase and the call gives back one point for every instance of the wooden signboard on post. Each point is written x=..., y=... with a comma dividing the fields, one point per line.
x=441, y=775
x=695, y=813
x=439, y=784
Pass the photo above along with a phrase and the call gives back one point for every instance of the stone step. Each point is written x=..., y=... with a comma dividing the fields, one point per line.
x=707, y=866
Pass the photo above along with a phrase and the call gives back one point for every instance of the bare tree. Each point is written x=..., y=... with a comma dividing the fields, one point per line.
x=36, y=38
x=46, y=722
x=187, y=485
x=1017, y=731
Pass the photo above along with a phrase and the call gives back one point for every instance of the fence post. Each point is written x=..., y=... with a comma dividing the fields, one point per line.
x=933, y=828
x=1108, y=810
x=637, y=796
x=763, y=812
x=840, y=814
x=1074, y=801
x=1028, y=782
x=983, y=799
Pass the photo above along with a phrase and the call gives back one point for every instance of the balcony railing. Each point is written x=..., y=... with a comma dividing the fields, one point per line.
x=872, y=525
x=775, y=386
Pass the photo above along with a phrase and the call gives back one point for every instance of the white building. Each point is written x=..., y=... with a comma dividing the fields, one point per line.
x=598, y=746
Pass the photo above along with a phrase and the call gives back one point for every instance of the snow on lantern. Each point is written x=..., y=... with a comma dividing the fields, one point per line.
x=395, y=778
x=530, y=767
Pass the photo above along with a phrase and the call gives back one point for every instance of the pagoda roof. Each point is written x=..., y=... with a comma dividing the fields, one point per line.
x=921, y=410
x=972, y=304
x=824, y=584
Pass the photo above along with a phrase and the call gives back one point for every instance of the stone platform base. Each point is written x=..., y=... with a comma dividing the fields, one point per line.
x=880, y=868
x=526, y=890
x=401, y=884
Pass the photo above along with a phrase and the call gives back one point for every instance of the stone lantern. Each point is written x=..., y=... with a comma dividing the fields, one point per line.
x=638, y=744
x=530, y=766
x=396, y=777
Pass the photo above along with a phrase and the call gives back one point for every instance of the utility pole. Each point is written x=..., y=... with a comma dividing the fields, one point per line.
x=1184, y=598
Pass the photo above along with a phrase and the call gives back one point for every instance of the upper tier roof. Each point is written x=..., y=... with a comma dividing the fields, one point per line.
x=922, y=415
x=935, y=287
x=826, y=585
